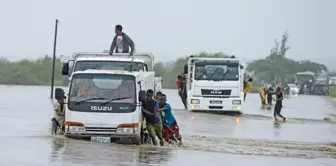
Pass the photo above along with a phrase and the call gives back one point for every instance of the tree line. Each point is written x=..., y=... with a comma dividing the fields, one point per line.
x=274, y=67
x=38, y=71
x=30, y=72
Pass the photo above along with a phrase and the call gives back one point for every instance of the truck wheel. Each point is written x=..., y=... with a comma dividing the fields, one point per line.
x=137, y=141
x=87, y=138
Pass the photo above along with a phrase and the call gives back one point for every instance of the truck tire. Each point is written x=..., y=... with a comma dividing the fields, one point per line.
x=87, y=138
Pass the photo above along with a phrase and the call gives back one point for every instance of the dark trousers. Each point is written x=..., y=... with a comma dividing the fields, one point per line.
x=184, y=99
x=277, y=111
x=269, y=100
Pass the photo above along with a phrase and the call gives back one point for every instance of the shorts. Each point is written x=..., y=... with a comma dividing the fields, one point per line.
x=155, y=129
x=167, y=132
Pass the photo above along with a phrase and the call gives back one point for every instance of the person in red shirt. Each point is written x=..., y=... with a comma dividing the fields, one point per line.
x=178, y=84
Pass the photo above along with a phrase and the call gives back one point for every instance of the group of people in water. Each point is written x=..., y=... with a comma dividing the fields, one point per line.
x=266, y=97
x=159, y=119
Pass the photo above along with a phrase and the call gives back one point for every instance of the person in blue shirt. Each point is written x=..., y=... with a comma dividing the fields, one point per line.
x=169, y=122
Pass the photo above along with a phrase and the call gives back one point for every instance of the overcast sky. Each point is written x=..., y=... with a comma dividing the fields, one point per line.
x=170, y=28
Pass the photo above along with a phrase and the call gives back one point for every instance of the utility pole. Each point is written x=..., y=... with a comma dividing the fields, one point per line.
x=54, y=59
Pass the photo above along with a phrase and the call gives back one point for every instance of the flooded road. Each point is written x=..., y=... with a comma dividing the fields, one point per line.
x=209, y=139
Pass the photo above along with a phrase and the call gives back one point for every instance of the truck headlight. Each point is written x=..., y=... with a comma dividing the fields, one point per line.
x=236, y=102
x=128, y=128
x=125, y=130
x=195, y=101
x=76, y=129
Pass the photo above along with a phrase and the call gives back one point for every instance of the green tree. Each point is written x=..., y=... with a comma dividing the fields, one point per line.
x=277, y=67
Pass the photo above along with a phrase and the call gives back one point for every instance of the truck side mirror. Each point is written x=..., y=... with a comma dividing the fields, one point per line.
x=241, y=67
x=142, y=96
x=65, y=69
x=59, y=94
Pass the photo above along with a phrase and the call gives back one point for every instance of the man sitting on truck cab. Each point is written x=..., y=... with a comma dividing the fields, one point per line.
x=151, y=113
x=121, y=42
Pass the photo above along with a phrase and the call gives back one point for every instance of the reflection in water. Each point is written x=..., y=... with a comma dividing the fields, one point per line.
x=57, y=146
x=193, y=115
x=236, y=130
x=86, y=152
x=277, y=128
x=153, y=155
x=237, y=120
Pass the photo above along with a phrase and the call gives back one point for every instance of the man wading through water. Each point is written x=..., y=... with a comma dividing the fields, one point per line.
x=59, y=112
x=121, y=42
x=247, y=87
x=151, y=113
x=278, y=105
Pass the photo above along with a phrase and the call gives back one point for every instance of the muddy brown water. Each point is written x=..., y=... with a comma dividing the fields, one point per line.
x=209, y=139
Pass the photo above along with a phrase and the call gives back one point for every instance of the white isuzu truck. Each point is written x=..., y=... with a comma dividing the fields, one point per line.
x=215, y=84
x=81, y=61
x=105, y=104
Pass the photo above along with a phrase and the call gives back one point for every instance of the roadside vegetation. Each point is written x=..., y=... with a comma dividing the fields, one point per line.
x=274, y=67
x=332, y=92
x=278, y=68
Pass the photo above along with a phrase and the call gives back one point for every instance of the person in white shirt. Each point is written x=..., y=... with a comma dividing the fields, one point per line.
x=121, y=42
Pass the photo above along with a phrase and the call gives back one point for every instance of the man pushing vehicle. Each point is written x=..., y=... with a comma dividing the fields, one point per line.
x=151, y=113
x=170, y=127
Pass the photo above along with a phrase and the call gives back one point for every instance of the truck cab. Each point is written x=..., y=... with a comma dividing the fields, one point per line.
x=106, y=104
x=215, y=84
x=119, y=61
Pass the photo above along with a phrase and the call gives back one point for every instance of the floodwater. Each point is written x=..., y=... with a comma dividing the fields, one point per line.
x=209, y=139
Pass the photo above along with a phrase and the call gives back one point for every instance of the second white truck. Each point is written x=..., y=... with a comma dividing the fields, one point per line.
x=215, y=84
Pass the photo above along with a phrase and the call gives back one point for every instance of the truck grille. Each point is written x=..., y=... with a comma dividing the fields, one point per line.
x=100, y=129
x=215, y=92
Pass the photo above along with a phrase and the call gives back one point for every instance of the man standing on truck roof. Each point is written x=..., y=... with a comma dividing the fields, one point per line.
x=121, y=42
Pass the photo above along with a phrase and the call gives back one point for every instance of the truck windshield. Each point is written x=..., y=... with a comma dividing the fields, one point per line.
x=116, y=88
x=303, y=78
x=216, y=70
x=108, y=65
